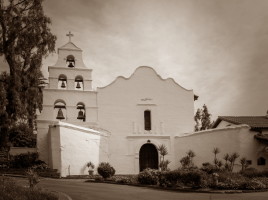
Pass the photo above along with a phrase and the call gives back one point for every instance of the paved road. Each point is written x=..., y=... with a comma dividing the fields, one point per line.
x=80, y=190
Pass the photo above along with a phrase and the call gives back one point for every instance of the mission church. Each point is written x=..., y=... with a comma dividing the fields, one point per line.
x=124, y=122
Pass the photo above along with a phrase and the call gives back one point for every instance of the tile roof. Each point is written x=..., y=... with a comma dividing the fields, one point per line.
x=252, y=121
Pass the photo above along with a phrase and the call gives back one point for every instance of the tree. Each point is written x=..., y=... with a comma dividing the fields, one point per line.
x=25, y=39
x=163, y=164
x=244, y=163
x=205, y=118
x=187, y=161
x=197, y=119
x=3, y=114
x=202, y=119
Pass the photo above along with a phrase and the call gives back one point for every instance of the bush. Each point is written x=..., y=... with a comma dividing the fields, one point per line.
x=254, y=184
x=10, y=191
x=25, y=160
x=234, y=181
x=105, y=170
x=98, y=178
x=169, y=178
x=209, y=168
x=252, y=173
x=193, y=178
x=125, y=179
x=148, y=177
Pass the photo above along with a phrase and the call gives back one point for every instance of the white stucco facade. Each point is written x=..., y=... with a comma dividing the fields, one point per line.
x=118, y=122
x=121, y=111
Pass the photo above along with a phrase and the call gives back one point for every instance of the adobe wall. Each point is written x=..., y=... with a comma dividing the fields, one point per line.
x=72, y=147
x=229, y=140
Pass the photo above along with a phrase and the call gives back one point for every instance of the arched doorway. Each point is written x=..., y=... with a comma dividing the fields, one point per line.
x=148, y=157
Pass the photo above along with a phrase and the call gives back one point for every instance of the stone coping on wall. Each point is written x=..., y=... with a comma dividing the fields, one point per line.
x=67, y=91
x=208, y=131
x=149, y=136
x=80, y=128
x=70, y=69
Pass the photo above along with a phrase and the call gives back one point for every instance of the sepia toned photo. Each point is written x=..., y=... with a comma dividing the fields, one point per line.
x=133, y=99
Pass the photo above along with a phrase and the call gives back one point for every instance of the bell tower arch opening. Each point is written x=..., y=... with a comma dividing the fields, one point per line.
x=148, y=157
x=79, y=83
x=82, y=111
x=70, y=61
x=62, y=82
x=60, y=107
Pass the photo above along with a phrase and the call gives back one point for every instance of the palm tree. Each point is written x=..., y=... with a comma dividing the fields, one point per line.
x=226, y=158
x=190, y=155
x=163, y=165
x=216, y=150
x=162, y=150
x=232, y=160
x=243, y=162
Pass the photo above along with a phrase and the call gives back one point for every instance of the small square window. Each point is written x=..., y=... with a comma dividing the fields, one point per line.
x=261, y=161
x=249, y=162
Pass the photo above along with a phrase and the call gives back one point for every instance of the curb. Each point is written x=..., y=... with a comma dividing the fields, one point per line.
x=62, y=196
x=184, y=190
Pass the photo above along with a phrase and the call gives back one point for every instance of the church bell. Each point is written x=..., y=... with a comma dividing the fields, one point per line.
x=70, y=64
x=60, y=115
x=63, y=84
x=78, y=85
x=81, y=115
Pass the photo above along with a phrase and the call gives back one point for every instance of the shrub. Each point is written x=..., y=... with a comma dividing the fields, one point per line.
x=98, y=178
x=209, y=168
x=254, y=184
x=226, y=175
x=233, y=181
x=25, y=160
x=148, y=177
x=105, y=170
x=252, y=173
x=169, y=178
x=10, y=191
x=193, y=178
x=32, y=178
x=125, y=179
x=187, y=161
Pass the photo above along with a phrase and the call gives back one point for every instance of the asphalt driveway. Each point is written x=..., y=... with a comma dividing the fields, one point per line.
x=81, y=190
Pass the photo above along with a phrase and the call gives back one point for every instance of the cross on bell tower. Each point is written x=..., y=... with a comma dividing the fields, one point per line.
x=70, y=35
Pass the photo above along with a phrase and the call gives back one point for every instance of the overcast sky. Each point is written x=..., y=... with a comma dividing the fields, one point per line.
x=218, y=48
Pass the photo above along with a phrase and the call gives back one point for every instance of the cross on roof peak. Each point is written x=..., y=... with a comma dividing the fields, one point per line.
x=70, y=35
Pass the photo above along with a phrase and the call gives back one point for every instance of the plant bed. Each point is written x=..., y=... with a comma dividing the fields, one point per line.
x=50, y=173
x=189, y=181
x=9, y=190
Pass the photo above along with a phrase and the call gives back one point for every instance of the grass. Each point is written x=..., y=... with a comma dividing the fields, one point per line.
x=10, y=191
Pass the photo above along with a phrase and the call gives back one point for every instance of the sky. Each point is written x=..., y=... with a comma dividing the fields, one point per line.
x=218, y=48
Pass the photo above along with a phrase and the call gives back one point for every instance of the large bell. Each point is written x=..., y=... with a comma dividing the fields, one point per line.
x=70, y=64
x=63, y=84
x=80, y=115
x=60, y=115
x=78, y=85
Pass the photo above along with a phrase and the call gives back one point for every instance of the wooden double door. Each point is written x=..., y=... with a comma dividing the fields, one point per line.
x=148, y=157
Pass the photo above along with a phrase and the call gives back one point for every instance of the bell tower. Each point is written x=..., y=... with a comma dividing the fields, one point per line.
x=69, y=96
